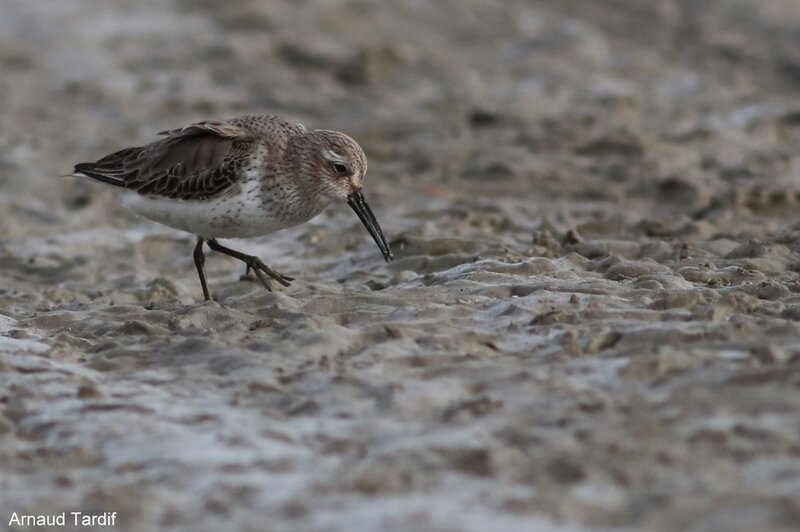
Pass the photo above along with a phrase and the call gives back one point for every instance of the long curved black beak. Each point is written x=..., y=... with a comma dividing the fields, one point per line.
x=359, y=204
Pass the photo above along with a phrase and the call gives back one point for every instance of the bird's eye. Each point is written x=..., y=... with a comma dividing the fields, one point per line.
x=341, y=169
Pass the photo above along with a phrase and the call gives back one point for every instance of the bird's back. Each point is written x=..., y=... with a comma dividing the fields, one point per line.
x=195, y=162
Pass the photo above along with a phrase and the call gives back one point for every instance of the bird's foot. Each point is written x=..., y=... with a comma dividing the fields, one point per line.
x=259, y=268
x=253, y=263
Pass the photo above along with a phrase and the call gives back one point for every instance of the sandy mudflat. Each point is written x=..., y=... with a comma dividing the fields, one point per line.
x=592, y=321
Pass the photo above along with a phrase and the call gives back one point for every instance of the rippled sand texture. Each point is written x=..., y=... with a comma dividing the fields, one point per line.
x=592, y=320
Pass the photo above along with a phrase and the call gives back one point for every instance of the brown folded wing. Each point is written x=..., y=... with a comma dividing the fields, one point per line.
x=193, y=163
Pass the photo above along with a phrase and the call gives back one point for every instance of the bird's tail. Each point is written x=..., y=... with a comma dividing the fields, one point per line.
x=90, y=170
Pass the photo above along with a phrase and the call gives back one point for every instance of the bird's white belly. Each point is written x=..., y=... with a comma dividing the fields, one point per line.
x=228, y=216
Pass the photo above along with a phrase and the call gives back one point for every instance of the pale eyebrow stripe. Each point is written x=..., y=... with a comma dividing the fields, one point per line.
x=333, y=156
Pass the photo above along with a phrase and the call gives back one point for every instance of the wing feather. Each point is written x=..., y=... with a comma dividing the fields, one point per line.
x=196, y=162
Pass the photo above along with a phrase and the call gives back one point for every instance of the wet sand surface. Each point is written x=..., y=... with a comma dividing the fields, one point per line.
x=591, y=323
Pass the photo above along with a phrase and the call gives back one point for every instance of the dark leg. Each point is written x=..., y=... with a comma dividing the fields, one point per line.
x=199, y=261
x=253, y=263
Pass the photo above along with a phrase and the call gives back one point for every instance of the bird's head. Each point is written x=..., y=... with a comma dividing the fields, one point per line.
x=336, y=165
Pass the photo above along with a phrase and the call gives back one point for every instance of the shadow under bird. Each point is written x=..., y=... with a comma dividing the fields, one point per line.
x=239, y=178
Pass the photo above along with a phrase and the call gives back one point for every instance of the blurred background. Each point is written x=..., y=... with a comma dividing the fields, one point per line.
x=587, y=100
x=591, y=321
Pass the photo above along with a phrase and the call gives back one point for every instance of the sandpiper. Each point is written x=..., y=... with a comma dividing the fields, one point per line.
x=239, y=178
